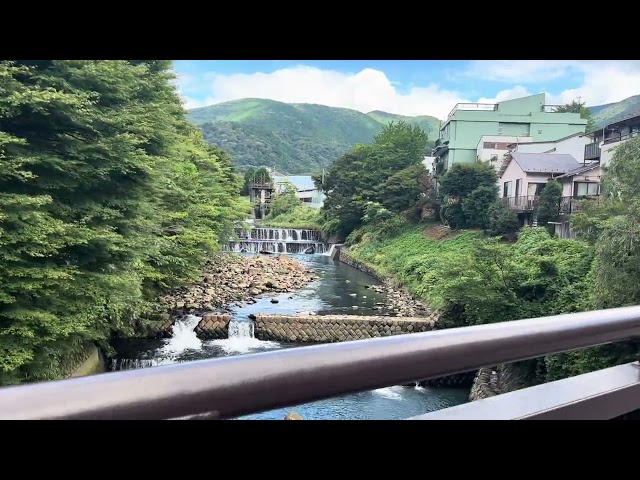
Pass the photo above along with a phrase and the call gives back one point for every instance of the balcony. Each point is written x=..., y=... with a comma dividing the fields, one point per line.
x=245, y=384
x=483, y=107
x=592, y=151
x=569, y=205
x=621, y=138
x=522, y=203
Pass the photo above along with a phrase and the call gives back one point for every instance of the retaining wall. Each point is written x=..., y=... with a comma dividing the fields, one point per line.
x=213, y=326
x=345, y=256
x=88, y=361
x=490, y=382
x=334, y=328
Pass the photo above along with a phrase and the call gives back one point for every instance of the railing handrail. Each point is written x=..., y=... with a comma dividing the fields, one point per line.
x=466, y=106
x=620, y=138
x=240, y=385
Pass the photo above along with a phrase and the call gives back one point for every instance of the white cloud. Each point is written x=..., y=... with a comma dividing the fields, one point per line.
x=365, y=91
x=601, y=81
x=509, y=94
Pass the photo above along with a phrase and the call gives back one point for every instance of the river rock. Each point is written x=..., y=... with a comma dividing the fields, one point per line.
x=293, y=416
x=232, y=280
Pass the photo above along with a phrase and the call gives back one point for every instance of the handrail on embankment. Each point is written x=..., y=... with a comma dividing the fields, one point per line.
x=234, y=386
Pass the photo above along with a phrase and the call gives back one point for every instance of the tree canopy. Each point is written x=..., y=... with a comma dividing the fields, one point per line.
x=107, y=197
x=576, y=106
x=364, y=174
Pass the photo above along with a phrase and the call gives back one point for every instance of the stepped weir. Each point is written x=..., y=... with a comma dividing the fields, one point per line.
x=277, y=240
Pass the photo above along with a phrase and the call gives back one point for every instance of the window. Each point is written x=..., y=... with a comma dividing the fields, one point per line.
x=518, y=187
x=507, y=189
x=491, y=145
x=494, y=158
x=584, y=189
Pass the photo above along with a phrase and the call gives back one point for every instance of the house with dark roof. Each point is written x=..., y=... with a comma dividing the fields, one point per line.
x=573, y=145
x=523, y=176
x=606, y=139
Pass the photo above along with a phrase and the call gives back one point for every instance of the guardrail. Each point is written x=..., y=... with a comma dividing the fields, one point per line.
x=522, y=202
x=235, y=386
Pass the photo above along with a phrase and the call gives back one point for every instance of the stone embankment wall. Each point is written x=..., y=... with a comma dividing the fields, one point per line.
x=345, y=256
x=88, y=361
x=334, y=328
x=490, y=382
x=213, y=326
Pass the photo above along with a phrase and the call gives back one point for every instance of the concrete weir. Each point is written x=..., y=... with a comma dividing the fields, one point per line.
x=317, y=328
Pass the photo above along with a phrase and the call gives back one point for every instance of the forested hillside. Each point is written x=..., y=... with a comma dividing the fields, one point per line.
x=108, y=196
x=612, y=112
x=294, y=138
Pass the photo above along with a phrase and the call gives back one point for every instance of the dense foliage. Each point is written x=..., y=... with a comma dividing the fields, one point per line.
x=469, y=197
x=475, y=280
x=387, y=175
x=548, y=208
x=292, y=138
x=107, y=197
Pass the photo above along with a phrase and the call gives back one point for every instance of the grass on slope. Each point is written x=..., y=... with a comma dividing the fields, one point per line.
x=414, y=259
x=300, y=217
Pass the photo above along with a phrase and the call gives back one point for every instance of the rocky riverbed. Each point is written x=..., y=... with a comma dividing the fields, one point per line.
x=234, y=280
x=400, y=302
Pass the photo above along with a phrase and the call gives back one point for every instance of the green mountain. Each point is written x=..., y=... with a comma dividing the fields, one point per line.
x=292, y=138
x=612, y=112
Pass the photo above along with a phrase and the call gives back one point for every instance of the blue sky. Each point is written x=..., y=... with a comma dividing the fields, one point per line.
x=409, y=87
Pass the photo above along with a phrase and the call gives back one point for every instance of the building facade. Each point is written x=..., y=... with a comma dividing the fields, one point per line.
x=605, y=140
x=573, y=145
x=522, y=117
x=493, y=148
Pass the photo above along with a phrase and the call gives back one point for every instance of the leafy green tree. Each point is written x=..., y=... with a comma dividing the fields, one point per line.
x=463, y=178
x=108, y=196
x=286, y=201
x=248, y=180
x=404, y=190
x=477, y=204
x=502, y=220
x=548, y=209
x=457, y=184
x=357, y=177
x=612, y=227
x=576, y=106
x=262, y=175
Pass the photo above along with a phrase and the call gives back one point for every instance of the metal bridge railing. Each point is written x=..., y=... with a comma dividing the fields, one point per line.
x=234, y=386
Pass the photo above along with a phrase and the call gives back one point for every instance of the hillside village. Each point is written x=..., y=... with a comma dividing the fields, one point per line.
x=526, y=141
x=529, y=143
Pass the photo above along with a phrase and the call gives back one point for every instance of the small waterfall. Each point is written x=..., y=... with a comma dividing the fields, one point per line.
x=184, y=336
x=132, y=363
x=184, y=339
x=332, y=249
x=277, y=240
x=241, y=329
x=241, y=339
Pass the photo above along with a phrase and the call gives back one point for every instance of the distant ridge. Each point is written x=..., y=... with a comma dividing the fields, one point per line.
x=295, y=138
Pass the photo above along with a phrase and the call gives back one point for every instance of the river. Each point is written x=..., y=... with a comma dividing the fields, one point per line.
x=339, y=289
